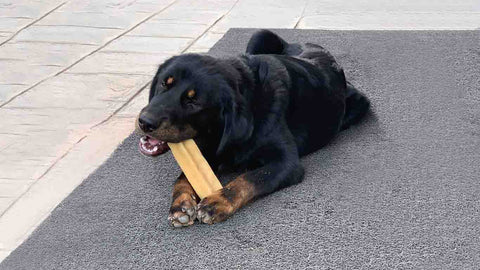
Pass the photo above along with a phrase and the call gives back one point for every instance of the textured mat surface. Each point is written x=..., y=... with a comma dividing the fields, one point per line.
x=400, y=191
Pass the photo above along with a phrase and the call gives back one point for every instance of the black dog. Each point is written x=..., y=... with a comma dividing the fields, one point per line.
x=258, y=112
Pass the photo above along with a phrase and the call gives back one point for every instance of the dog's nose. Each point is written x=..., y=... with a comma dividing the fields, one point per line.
x=146, y=124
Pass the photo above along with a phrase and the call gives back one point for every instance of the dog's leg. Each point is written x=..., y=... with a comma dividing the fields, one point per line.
x=264, y=180
x=184, y=202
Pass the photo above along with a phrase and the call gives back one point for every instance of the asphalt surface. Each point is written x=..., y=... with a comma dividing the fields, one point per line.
x=399, y=191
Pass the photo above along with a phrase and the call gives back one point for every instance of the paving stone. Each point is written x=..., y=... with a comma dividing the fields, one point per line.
x=52, y=130
x=4, y=204
x=117, y=20
x=419, y=6
x=391, y=21
x=14, y=220
x=206, y=5
x=6, y=141
x=20, y=123
x=32, y=208
x=205, y=42
x=126, y=63
x=67, y=34
x=84, y=156
x=5, y=35
x=4, y=253
x=261, y=14
x=132, y=109
x=20, y=171
x=44, y=53
x=17, y=14
x=197, y=50
x=81, y=94
x=9, y=90
x=180, y=14
x=37, y=127
x=46, y=134
x=13, y=188
x=145, y=6
x=13, y=72
x=169, y=29
x=27, y=8
x=148, y=45
x=9, y=24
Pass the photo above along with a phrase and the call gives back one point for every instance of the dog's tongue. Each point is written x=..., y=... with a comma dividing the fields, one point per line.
x=153, y=141
x=152, y=147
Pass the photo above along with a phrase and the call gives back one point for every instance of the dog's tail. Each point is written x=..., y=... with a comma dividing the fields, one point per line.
x=267, y=42
x=356, y=106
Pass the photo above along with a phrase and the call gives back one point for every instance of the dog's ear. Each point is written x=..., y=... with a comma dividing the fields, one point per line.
x=237, y=122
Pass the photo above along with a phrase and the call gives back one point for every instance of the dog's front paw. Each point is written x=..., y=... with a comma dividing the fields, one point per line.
x=214, y=208
x=183, y=210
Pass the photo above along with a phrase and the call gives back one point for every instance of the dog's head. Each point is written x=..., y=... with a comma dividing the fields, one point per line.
x=191, y=96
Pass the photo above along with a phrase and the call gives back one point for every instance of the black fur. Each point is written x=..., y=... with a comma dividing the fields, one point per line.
x=260, y=111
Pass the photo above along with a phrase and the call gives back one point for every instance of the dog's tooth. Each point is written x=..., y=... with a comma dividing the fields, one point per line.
x=155, y=148
x=143, y=140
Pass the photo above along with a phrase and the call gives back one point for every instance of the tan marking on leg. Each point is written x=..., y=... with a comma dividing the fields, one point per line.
x=184, y=202
x=181, y=187
x=223, y=203
x=242, y=190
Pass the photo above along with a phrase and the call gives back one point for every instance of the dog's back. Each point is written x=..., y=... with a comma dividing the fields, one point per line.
x=331, y=84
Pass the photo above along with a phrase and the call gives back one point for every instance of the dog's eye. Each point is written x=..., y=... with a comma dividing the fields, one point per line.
x=190, y=101
x=191, y=93
x=168, y=82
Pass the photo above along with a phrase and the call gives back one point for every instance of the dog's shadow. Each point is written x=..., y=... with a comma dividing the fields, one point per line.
x=369, y=128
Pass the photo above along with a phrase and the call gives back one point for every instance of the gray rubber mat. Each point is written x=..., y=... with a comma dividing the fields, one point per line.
x=399, y=191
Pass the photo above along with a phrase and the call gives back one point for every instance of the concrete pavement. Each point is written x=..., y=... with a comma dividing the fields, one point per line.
x=74, y=75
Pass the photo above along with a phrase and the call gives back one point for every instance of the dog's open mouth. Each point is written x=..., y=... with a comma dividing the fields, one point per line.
x=152, y=147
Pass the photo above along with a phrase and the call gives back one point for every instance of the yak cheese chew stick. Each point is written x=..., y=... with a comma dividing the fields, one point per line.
x=195, y=167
